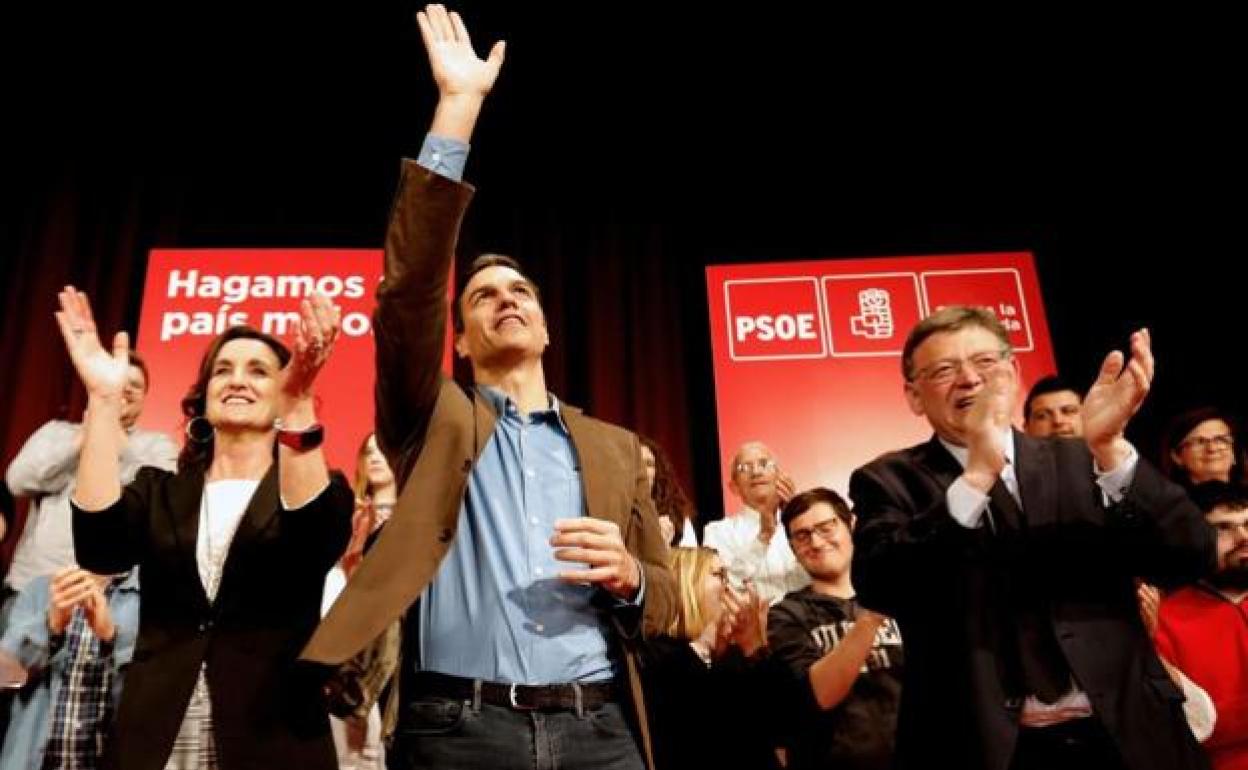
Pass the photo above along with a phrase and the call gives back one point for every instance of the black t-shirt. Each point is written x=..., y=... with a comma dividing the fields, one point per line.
x=857, y=733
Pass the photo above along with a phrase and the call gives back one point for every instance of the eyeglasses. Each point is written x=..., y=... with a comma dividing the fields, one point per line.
x=721, y=573
x=762, y=466
x=1231, y=527
x=824, y=529
x=946, y=370
x=1224, y=441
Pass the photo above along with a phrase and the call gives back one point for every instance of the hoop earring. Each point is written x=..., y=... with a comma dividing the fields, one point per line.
x=199, y=430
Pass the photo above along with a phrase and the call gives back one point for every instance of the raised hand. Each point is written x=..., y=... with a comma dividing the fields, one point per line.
x=785, y=488
x=457, y=69
x=749, y=619
x=1115, y=397
x=319, y=323
x=102, y=371
x=985, y=421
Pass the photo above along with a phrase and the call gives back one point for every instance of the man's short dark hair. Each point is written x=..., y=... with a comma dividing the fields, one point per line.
x=1054, y=383
x=950, y=319
x=803, y=502
x=137, y=362
x=484, y=262
x=1210, y=496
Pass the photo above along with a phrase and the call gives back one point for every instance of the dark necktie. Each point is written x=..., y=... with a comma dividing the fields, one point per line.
x=1040, y=660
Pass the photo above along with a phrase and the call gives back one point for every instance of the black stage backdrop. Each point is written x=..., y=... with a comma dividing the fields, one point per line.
x=625, y=147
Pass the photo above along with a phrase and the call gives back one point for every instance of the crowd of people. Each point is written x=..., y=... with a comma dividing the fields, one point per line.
x=509, y=582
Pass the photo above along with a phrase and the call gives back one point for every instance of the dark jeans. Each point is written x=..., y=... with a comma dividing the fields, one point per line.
x=443, y=733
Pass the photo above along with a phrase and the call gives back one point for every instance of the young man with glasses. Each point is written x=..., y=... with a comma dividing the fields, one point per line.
x=746, y=539
x=1009, y=564
x=842, y=661
x=1203, y=628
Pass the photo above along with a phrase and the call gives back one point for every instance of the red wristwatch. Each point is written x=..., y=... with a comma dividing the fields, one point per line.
x=300, y=440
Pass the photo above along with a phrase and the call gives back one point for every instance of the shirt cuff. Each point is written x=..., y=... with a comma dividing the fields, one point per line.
x=1115, y=483
x=966, y=504
x=444, y=156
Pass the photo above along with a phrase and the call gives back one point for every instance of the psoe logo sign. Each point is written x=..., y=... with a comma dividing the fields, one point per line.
x=773, y=319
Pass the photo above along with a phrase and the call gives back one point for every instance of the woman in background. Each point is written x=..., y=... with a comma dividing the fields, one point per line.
x=675, y=511
x=708, y=682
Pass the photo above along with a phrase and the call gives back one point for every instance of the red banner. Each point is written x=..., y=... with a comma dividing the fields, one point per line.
x=807, y=355
x=193, y=295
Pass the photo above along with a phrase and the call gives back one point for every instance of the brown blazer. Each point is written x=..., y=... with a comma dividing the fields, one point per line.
x=433, y=433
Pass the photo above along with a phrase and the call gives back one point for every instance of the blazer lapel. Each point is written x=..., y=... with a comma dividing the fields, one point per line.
x=938, y=462
x=185, y=494
x=590, y=457
x=259, y=514
x=484, y=420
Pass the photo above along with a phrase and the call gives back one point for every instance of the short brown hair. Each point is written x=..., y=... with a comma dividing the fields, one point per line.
x=804, y=501
x=950, y=319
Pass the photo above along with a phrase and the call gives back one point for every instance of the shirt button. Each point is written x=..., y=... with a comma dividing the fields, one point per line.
x=537, y=571
x=539, y=628
x=529, y=472
x=532, y=519
x=437, y=156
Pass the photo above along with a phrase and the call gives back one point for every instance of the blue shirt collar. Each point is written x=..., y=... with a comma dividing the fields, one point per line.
x=503, y=405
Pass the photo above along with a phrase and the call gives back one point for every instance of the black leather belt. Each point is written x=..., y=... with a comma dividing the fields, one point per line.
x=592, y=695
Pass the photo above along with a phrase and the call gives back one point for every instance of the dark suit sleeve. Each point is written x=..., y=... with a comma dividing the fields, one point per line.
x=1161, y=532
x=409, y=323
x=322, y=526
x=112, y=540
x=904, y=537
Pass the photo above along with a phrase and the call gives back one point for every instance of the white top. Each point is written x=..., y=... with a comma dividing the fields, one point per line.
x=773, y=568
x=335, y=582
x=220, y=510
x=45, y=470
x=688, y=538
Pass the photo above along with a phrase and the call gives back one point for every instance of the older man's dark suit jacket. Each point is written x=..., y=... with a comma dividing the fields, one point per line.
x=947, y=586
x=433, y=432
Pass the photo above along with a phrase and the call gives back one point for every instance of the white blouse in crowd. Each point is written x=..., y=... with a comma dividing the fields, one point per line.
x=220, y=510
x=772, y=567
